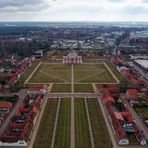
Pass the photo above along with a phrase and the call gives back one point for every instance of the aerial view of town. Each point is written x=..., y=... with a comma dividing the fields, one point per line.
x=73, y=83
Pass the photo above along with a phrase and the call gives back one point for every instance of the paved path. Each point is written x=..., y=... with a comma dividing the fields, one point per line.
x=106, y=121
x=6, y=122
x=89, y=124
x=111, y=73
x=108, y=124
x=74, y=83
x=39, y=119
x=68, y=95
x=33, y=73
x=72, y=78
x=55, y=125
x=72, y=130
x=38, y=123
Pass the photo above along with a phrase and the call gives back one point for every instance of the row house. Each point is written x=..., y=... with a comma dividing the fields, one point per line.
x=19, y=130
x=122, y=120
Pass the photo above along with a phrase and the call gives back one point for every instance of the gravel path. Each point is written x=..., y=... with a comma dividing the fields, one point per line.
x=72, y=131
x=55, y=125
x=33, y=73
x=89, y=124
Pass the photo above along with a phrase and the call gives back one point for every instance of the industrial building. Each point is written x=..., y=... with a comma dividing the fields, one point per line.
x=143, y=64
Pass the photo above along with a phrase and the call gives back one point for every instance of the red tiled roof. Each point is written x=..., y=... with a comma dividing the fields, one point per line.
x=5, y=104
x=9, y=74
x=1, y=61
x=35, y=110
x=12, y=80
x=118, y=116
x=128, y=116
x=125, y=72
x=132, y=92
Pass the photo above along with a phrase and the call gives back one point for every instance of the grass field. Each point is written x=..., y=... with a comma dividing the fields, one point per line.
x=62, y=139
x=60, y=53
x=82, y=139
x=142, y=110
x=92, y=73
x=83, y=73
x=45, y=131
x=61, y=88
x=52, y=73
x=88, y=88
x=116, y=72
x=132, y=138
x=99, y=129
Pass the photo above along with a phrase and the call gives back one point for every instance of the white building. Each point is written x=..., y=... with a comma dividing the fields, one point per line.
x=72, y=58
x=143, y=64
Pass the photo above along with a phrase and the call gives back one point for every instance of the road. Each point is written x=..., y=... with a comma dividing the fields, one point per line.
x=35, y=130
x=8, y=119
x=135, y=115
x=144, y=75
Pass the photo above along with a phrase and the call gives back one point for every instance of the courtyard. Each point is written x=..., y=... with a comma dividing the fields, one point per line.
x=58, y=73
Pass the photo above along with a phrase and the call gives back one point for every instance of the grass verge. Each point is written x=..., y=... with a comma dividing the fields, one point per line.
x=45, y=131
x=81, y=125
x=116, y=72
x=80, y=88
x=62, y=139
x=61, y=88
x=99, y=129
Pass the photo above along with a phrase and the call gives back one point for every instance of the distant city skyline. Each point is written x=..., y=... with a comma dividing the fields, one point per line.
x=74, y=10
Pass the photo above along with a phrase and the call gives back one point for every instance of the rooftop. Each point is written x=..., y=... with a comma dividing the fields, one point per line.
x=143, y=63
x=4, y=104
x=132, y=92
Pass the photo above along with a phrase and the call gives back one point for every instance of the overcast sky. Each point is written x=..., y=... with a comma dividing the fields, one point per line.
x=73, y=10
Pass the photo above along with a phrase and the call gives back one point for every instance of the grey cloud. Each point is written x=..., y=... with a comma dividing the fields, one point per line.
x=135, y=10
x=81, y=9
x=22, y=5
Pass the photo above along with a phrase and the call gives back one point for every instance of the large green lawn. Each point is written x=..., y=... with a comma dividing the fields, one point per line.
x=45, y=131
x=99, y=129
x=81, y=88
x=83, y=73
x=62, y=139
x=52, y=73
x=92, y=73
x=116, y=72
x=142, y=110
x=82, y=136
x=61, y=88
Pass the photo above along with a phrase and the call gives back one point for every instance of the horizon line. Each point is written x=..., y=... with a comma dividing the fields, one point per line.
x=74, y=21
